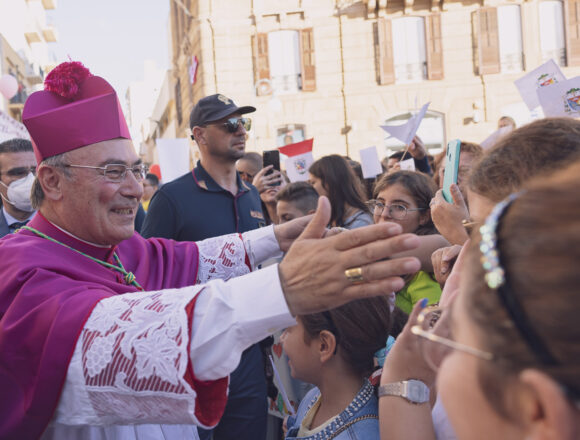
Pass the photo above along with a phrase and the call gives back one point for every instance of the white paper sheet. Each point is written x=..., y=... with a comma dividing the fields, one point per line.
x=562, y=99
x=543, y=76
x=407, y=164
x=493, y=138
x=173, y=158
x=370, y=163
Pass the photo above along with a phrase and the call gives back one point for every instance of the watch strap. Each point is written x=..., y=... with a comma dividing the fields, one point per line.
x=412, y=390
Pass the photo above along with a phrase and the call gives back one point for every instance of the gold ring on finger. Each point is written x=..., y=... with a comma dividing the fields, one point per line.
x=354, y=275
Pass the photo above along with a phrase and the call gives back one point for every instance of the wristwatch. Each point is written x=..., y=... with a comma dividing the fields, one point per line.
x=413, y=390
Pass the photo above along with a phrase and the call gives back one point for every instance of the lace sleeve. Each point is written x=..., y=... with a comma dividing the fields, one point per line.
x=131, y=363
x=222, y=258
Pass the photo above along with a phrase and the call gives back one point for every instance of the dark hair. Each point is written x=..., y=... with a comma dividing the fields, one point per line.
x=397, y=155
x=360, y=327
x=534, y=149
x=16, y=145
x=302, y=194
x=341, y=184
x=421, y=187
x=472, y=148
x=152, y=178
x=539, y=250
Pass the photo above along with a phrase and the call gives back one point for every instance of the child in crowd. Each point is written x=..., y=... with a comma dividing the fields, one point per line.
x=297, y=199
x=403, y=197
x=334, y=350
x=332, y=176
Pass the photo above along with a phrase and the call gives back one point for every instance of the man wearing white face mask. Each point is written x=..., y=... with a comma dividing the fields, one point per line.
x=17, y=169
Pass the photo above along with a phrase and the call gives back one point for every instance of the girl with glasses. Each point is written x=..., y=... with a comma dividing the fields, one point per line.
x=403, y=197
x=507, y=350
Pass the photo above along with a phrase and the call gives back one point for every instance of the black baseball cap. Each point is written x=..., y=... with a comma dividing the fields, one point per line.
x=213, y=108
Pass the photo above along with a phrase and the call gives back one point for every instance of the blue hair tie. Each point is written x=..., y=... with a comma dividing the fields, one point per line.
x=383, y=352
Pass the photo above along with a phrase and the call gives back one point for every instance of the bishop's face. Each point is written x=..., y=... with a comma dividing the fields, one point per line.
x=94, y=208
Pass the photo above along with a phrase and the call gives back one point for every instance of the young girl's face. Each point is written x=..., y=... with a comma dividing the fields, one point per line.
x=318, y=185
x=397, y=196
x=302, y=357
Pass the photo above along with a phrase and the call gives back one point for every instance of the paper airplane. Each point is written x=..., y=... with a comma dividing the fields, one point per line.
x=406, y=132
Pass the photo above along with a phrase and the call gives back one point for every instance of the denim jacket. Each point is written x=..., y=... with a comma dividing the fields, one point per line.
x=357, y=422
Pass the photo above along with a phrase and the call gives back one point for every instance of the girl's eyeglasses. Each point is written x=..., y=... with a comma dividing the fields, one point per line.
x=395, y=211
x=433, y=326
x=436, y=342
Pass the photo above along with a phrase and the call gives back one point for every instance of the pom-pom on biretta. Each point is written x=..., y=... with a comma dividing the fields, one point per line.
x=62, y=117
x=66, y=79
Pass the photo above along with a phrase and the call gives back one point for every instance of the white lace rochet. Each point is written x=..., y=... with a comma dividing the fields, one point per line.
x=131, y=359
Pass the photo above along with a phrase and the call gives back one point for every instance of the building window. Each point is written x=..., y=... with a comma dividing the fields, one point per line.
x=290, y=134
x=497, y=35
x=408, y=49
x=509, y=25
x=284, y=58
x=284, y=61
x=409, y=53
x=552, y=39
x=572, y=14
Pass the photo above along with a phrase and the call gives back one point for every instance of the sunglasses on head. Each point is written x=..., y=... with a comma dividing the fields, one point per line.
x=232, y=124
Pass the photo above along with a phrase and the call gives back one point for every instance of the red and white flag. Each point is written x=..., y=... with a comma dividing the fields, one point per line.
x=299, y=159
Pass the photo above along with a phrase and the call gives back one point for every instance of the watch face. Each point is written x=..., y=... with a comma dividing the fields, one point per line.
x=417, y=392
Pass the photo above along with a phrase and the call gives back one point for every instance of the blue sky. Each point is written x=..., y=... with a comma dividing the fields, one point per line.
x=112, y=37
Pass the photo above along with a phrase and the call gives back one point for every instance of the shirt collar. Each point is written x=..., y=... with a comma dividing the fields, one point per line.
x=206, y=182
x=40, y=223
x=10, y=219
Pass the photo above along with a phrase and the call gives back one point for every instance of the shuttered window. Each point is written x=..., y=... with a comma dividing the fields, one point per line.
x=552, y=37
x=384, y=46
x=409, y=49
x=284, y=61
x=434, y=47
x=487, y=41
x=573, y=32
x=307, y=57
x=261, y=64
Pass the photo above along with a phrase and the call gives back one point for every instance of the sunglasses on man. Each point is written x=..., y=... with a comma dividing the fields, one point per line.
x=232, y=124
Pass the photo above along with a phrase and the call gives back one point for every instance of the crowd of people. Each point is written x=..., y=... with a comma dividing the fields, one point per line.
x=402, y=315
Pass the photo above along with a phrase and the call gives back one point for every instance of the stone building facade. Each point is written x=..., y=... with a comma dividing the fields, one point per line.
x=335, y=70
x=25, y=36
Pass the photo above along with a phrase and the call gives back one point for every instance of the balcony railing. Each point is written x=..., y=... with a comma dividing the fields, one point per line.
x=412, y=72
x=558, y=55
x=286, y=84
x=511, y=62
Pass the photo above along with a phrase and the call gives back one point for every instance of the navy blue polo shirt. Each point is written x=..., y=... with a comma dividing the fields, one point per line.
x=194, y=207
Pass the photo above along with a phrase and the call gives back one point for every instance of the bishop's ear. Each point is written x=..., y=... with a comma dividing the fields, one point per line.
x=50, y=180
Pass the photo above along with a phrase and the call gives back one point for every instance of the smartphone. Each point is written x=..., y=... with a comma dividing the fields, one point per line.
x=271, y=157
x=451, y=167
